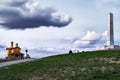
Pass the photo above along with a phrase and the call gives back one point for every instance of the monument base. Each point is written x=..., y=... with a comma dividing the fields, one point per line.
x=111, y=47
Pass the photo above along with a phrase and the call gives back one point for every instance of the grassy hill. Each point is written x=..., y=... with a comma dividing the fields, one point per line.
x=96, y=65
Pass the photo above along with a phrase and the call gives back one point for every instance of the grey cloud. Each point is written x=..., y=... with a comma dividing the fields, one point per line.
x=44, y=52
x=2, y=46
x=87, y=46
x=9, y=14
x=90, y=39
x=84, y=43
x=13, y=2
x=23, y=18
x=18, y=3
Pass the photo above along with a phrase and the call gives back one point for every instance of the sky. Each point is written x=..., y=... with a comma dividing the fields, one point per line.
x=54, y=27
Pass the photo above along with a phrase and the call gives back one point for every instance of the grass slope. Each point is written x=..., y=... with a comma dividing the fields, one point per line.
x=97, y=65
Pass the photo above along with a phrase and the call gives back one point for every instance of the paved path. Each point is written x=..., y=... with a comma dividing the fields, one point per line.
x=14, y=62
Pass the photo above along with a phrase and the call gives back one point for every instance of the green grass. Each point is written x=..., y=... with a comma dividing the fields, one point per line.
x=96, y=65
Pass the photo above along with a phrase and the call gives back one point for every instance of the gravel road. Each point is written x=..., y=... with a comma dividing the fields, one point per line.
x=14, y=62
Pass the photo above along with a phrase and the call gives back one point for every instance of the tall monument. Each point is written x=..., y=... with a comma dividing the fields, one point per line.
x=110, y=34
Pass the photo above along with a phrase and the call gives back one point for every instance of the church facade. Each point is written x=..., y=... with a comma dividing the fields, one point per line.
x=14, y=52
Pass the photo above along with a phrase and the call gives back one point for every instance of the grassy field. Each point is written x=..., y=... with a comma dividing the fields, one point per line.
x=97, y=65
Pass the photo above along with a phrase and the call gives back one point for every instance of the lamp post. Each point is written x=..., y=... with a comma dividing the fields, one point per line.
x=27, y=55
x=26, y=51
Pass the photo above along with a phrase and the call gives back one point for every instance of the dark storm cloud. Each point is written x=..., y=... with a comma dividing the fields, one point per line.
x=9, y=14
x=24, y=17
x=18, y=3
x=13, y=2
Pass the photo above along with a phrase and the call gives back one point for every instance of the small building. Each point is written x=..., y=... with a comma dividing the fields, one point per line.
x=14, y=52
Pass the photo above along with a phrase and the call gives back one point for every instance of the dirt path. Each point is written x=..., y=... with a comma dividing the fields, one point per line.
x=14, y=62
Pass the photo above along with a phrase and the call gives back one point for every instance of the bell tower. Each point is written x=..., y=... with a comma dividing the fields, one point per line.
x=12, y=44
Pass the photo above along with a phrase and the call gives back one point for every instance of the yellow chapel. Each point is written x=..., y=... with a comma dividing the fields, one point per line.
x=14, y=52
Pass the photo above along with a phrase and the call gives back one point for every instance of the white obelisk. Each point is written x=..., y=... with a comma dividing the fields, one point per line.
x=110, y=34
